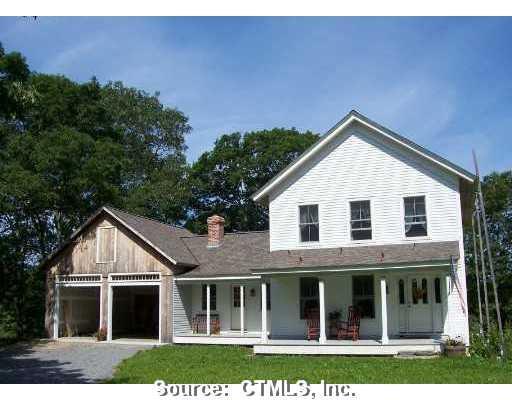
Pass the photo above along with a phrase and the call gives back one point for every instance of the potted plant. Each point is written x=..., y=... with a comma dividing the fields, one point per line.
x=455, y=347
x=101, y=335
x=334, y=317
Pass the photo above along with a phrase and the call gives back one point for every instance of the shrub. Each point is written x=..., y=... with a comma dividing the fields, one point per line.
x=488, y=346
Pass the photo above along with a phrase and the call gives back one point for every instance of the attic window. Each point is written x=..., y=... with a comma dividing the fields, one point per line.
x=106, y=243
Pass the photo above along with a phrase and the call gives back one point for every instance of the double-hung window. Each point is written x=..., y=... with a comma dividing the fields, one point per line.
x=308, y=223
x=360, y=220
x=415, y=216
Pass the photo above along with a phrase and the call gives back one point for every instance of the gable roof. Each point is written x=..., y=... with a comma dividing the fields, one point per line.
x=163, y=238
x=353, y=116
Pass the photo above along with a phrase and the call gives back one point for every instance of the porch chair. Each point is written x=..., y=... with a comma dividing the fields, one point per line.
x=313, y=324
x=199, y=323
x=350, y=329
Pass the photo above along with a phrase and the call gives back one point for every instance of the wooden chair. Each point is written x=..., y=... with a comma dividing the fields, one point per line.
x=350, y=329
x=199, y=323
x=313, y=324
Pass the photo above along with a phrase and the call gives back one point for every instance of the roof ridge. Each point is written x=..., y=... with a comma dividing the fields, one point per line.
x=144, y=217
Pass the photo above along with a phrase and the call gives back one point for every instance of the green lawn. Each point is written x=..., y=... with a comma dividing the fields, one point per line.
x=228, y=364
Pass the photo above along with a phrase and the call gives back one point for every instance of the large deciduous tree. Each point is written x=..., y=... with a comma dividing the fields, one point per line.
x=497, y=191
x=68, y=148
x=226, y=177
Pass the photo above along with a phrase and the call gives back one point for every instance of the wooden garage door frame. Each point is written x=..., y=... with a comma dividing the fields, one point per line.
x=73, y=280
x=134, y=279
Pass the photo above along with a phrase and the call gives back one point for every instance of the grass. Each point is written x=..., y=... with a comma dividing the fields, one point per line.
x=229, y=364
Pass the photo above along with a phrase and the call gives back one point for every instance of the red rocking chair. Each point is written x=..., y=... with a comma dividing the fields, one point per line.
x=350, y=329
x=313, y=324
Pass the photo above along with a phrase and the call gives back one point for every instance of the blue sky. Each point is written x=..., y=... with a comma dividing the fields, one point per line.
x=445, y=83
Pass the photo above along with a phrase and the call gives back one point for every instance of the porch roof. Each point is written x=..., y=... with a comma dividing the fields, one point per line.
x=248, y=253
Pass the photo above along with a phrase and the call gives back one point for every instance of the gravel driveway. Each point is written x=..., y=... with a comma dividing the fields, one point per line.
x=62, y=362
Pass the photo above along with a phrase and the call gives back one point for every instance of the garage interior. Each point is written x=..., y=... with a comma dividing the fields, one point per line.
x=79, y=311
x=135, y=312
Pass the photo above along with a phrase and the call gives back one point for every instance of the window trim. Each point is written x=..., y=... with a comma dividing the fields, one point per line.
x=311, y=242
x=98, y=244
x=365, y=241
x=427, y=214
x=374, y=294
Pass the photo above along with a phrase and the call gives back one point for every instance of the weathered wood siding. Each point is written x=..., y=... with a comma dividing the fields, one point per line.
x=131, y=255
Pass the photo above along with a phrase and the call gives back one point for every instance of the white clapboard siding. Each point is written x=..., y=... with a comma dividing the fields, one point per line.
x=181, y=309
x=357, y=166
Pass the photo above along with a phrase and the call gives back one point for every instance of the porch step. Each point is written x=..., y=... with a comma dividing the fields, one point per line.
x=421, y=354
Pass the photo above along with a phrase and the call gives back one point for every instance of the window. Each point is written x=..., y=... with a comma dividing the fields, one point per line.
x=401, y=291
x=236, y=296
x=414, y=291
x=415, y=216
x=309, y=303
x=213, y=298
x=268, y=297
x=363, y=295
x=424, y=291
x=360, y=220
x=437, y=290
x=106, y=244
x=308, y=223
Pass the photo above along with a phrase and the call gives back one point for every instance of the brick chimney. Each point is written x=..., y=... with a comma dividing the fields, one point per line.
x=215, y=230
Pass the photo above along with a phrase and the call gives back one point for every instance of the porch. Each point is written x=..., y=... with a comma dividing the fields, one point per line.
x=217, y=311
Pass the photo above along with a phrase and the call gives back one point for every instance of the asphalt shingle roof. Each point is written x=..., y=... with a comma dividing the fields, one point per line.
x=245, y=253
x=168, y=238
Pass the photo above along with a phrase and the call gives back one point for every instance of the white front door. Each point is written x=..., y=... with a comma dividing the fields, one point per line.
x=419, y=304
x=235, y=307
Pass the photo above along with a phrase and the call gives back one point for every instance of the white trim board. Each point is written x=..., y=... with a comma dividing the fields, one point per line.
x=348, y=269
x=217, y=278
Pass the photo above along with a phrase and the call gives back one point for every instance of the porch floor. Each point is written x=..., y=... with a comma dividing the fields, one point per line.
x=225, y=337
x=349, y=347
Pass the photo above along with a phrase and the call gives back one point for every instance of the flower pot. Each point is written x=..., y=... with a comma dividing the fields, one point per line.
x=455, y=351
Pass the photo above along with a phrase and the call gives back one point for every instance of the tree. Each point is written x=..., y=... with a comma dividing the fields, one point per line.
x=497, y=191
x=225, y=178
x=69, y=150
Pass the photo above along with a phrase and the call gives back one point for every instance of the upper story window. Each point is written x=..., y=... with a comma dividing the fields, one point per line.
x=415, y=216
x=360, y=220
x=308, y=223
x=106, y=244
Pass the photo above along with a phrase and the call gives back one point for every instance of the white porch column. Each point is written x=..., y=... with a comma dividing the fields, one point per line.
x=384, y=310
x=208, y=309
x=56, y=311
x=264, y=336
x=321, y=295
x=242, y=305
x=109, y=316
